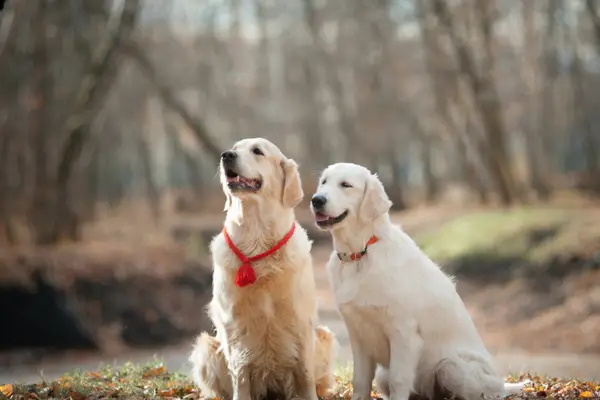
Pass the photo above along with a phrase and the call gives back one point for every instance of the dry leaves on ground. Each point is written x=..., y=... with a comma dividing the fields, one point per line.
x=558, y=389
x=153, y=381
x=7, y=390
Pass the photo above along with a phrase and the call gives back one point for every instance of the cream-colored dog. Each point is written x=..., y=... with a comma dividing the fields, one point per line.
x=264, y=306
x=404, y=318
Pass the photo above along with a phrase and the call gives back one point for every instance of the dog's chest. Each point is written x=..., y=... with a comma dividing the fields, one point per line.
x=270, y=328
x=261, y=320
x=358, y=283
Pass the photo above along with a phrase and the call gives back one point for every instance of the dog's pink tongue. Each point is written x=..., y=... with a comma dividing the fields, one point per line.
x=321, y=217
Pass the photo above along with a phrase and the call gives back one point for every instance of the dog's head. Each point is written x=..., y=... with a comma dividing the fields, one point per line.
x=348, y=194
x=255, y=169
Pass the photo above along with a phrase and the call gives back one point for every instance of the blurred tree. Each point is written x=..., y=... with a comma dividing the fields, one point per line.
x=484, y=91
x=53, y=217
x=534, y=137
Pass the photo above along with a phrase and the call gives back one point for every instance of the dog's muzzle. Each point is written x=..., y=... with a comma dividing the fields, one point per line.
x=318, y=201
x=229, y=162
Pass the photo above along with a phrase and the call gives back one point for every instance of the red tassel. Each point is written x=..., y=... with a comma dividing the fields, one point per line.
x=245, y=275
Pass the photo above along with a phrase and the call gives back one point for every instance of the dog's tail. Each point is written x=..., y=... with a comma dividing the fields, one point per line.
x=515, y=388
x=325, y=353
x=439, y=389
x=469, y=375
x=209, y=368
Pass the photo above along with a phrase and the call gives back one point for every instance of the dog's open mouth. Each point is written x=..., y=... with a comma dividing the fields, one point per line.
x=324, y=220
x=236, y=182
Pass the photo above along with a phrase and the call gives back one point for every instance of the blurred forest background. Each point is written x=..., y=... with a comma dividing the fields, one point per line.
x=481, y=117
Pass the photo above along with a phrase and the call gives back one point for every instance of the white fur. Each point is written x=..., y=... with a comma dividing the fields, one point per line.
x=266, y=335
x=403, y=314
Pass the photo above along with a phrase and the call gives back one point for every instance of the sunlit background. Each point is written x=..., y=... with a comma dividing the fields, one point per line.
x=482, y=119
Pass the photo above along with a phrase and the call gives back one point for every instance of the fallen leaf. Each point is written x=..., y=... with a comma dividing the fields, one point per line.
x=155, y=371
x=7, y=390
x=586, y=394
x=95, y=375
x=167, y=393
x=76, y=396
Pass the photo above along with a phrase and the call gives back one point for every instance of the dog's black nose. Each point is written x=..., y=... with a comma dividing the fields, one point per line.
x=318, y=201
x=228, y=155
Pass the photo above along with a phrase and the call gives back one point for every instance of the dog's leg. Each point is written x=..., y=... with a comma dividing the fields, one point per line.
x=382, y=381
x=363, y=370
x=405, y=351
x=209, y=369
x=242, y=389
x=305, y=371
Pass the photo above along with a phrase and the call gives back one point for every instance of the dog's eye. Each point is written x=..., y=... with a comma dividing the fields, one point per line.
x=258, y=151
x=345, y=185
x=324, y=181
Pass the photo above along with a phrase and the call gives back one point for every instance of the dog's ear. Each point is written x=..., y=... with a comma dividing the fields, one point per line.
x=375, y=201
x=292, y=186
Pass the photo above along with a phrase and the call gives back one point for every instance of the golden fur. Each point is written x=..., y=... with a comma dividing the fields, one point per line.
x=267, y=342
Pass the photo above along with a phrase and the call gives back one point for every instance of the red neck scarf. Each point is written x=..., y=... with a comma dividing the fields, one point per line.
x=245, y=274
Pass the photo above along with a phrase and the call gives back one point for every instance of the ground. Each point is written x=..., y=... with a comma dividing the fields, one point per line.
x=529, y=276
x=153, y=381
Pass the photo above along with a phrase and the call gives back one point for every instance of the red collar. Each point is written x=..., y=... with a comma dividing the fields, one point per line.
x=245, y=274
x=359, y=255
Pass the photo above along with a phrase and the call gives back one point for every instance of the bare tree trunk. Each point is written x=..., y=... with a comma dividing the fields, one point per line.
x=447, y=94
x=152, y=191
x=311, y=121
x=395, y=191
x=469, y=168
x=95, y=86
x=471, y=148
x=189, y=158
x=488, y=103
x=592, y=148
x=90, y=184
x=593, y=139
x=41, y=216
x=8, y=27
x=594, y=14
x=533, y=136
x=7, y=231
x=332, y=79
x=14, y=11
x=546, y=113
x=431, y=184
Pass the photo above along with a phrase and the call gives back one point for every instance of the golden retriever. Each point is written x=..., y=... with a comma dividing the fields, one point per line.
x=264, y=307
x=407, y=325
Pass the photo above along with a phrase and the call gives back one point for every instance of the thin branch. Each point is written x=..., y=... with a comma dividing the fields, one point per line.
x=170, y=100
